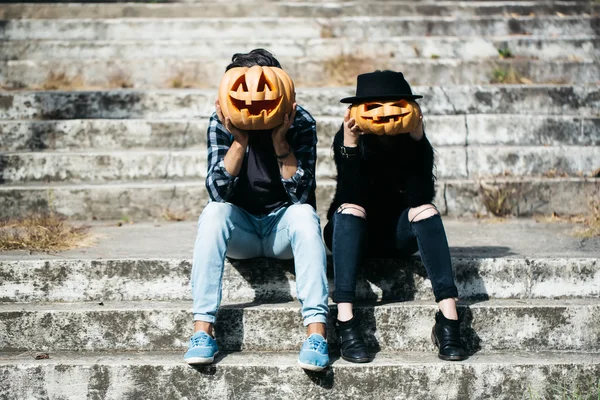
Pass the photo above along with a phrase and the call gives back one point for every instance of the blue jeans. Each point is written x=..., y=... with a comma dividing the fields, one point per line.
x=290, y=232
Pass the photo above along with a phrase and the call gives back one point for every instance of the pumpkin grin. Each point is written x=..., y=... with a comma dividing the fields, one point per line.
x=256, y=107
x=384, y=119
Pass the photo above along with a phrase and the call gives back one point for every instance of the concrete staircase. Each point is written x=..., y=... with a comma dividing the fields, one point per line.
x=114, y=320
x=104, y=117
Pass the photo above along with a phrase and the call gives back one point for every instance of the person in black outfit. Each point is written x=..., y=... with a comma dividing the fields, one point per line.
x=383, y=206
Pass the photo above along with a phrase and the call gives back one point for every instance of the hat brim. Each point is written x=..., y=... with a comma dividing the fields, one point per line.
x=358, y=99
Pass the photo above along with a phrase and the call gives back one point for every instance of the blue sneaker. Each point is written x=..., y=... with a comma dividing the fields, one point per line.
x=314, y=354
x=203, y=349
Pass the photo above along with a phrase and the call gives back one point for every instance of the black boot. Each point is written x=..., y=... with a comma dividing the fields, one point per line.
x=352, y=345
x=446, y=336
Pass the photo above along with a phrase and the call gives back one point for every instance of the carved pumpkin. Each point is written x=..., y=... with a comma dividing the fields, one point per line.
x=386, y=118
x=256, y=98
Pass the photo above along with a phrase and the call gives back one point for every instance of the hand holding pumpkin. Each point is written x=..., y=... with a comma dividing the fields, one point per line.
x=239, y=135
x=279, y=132
x=417, y=133
x=351, y=130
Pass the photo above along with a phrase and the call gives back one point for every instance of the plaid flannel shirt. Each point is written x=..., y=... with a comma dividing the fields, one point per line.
x=302, y=138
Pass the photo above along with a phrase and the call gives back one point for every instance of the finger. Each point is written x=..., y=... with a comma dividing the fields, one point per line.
x=351, y=123
x=229, y=126
x=356, y=130
x=292, y=114
x=219, y=112
x=347, y=115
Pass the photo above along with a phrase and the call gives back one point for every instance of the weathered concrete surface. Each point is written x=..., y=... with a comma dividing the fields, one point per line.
x=290, y=9
x=293, y=50
x=527, y=325
x=152, y=73
x=103, y=134
x=525, y=196
x=583, y=101
x=355, y=26
x=468, y=238
x=150, y=200
x=452, y=162
x=530, y=130
x=419, y=376
x=485, y=161
x=75, y=280
x=442, y=130
x=97, y=167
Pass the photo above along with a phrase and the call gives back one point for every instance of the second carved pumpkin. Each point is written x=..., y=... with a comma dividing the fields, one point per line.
x=386, y=118
x=256, y=98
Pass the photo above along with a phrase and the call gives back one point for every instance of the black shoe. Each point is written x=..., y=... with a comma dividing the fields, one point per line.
x=352, y=345
x=446, y=336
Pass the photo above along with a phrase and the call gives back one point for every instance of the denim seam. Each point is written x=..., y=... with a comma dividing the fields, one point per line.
x=224, y=255
x=424, y=256
x=425, y=261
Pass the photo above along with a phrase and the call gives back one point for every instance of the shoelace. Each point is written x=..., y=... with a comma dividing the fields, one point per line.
x=201, y=340
x=316, y=344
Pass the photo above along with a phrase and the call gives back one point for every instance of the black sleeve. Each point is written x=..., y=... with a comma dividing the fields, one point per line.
x=420, y=184
x=350, y=177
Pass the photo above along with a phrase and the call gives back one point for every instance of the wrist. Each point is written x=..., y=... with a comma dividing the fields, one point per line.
x=242, y=143
x=281, y=147
x=350, y=141
x=417, y=135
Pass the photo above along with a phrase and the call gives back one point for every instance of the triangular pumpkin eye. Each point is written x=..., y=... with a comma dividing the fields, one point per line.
x=372, y=106
x=262, y=83
x=397, y=104
x=241, y=81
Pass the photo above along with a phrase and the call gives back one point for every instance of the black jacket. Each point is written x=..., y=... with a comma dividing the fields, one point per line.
x=389, y=174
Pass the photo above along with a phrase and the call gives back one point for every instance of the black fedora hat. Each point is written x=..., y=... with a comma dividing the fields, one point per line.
x=381, y=85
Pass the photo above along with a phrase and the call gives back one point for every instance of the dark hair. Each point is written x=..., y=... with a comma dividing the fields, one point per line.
x=256, y=57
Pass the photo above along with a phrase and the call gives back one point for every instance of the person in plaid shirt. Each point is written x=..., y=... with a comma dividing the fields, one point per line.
x=262, y=204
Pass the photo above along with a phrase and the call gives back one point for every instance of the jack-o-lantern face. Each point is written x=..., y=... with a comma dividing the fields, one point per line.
x=256, y=98
x=386, y=118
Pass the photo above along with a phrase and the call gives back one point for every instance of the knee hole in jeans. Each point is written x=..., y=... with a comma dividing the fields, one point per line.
x=420, y=213
x=353, y=209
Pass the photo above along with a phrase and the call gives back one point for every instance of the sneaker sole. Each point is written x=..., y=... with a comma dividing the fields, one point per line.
x=200, y=360
x=310, y=367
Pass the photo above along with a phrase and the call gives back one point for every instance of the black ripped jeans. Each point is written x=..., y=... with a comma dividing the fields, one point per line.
x=346, y=237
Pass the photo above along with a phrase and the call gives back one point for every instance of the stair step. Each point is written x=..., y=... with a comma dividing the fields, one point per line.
x=277, y=375
x=491, y=271
x=453, y=162
x=214, y=9
x=150, y=200
x=365, y=27
x=176, y=73
x=524, y=325
x=307, y=51
x=442, y=130
x=582, y=101
x=272, y=375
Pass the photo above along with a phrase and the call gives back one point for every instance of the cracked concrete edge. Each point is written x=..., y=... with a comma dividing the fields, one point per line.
x=277, y=376
x=155, y=279
x=446, y=130
x=580, y=100
x=541, y=325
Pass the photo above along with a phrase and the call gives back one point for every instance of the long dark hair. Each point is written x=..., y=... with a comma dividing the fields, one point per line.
x=260, y=57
